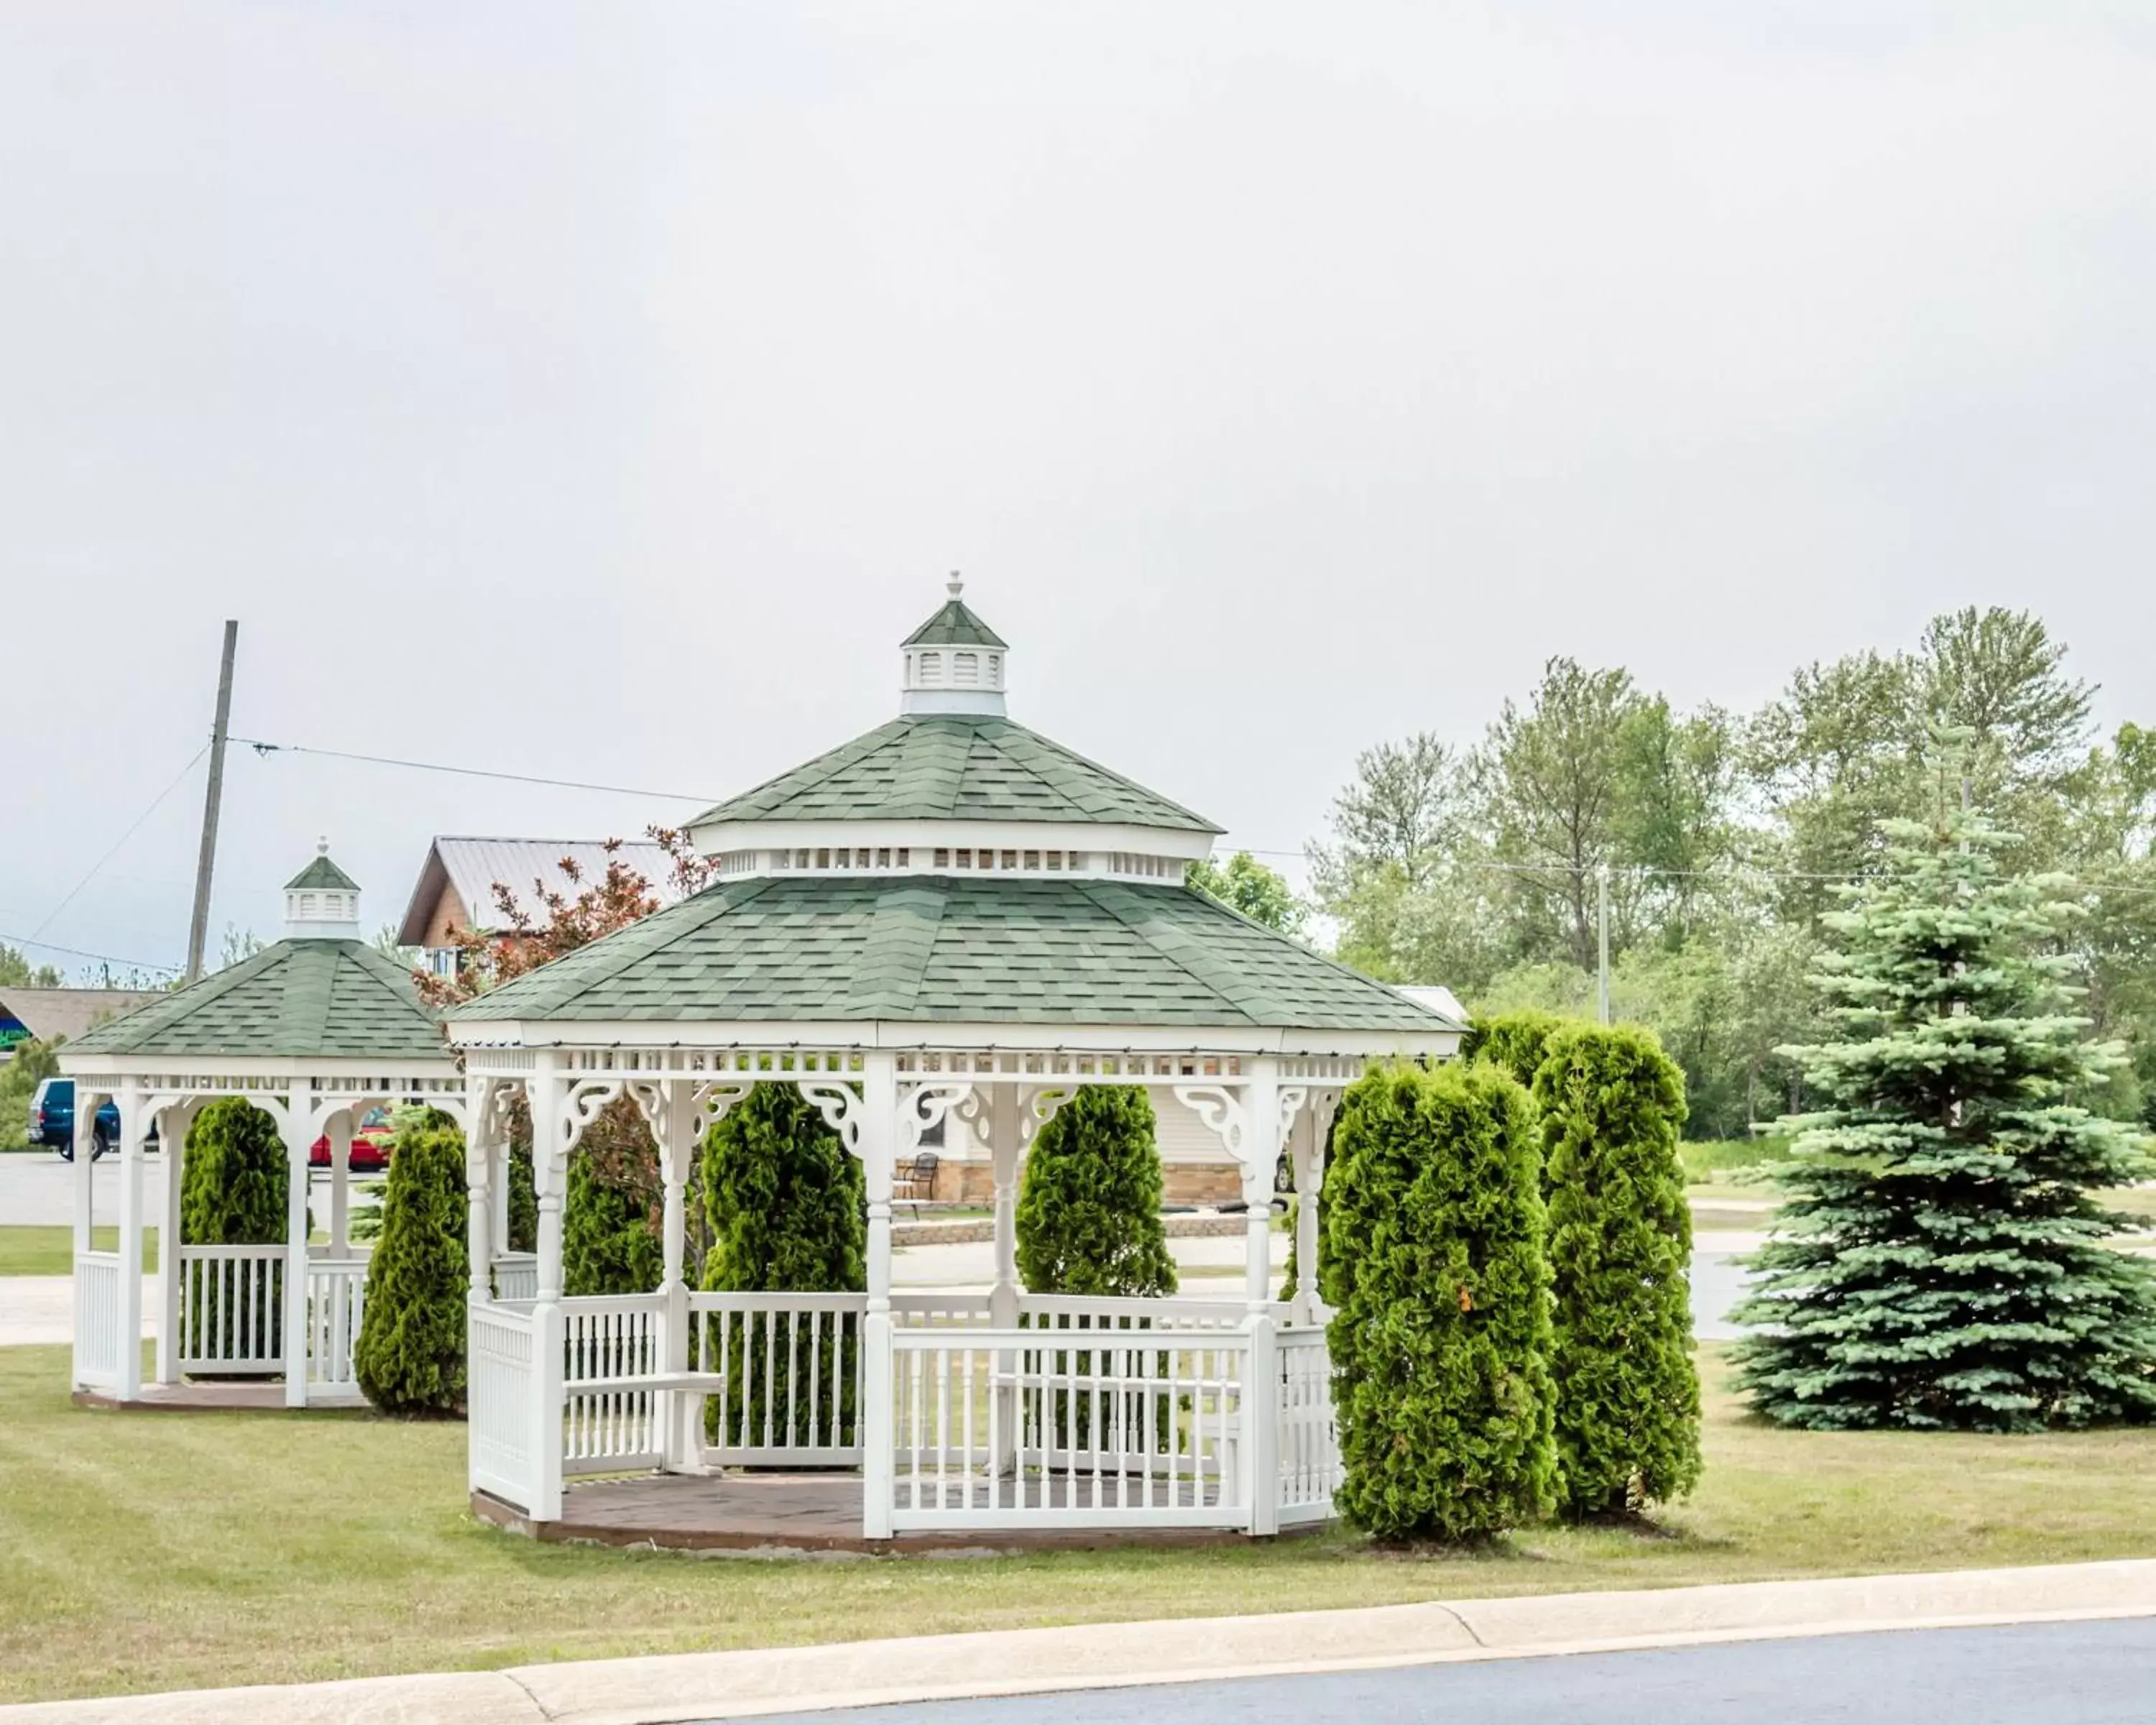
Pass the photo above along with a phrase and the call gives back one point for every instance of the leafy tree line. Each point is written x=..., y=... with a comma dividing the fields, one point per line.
x=1725, y=836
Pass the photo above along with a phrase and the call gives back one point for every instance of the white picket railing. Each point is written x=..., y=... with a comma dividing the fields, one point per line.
x=1308, y=1443
x=930, y=1309
x=97, y=1340
x=995, y=1429
x=609, y=1425
x=500, y=1388
x=784, y=1377
x=337, y=1301
x=1097, y=1311
x=517, y=1276
x=231, y=1309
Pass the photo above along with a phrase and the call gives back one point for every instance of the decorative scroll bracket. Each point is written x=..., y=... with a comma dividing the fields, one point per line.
x=840, y=1107
x=925, y=1106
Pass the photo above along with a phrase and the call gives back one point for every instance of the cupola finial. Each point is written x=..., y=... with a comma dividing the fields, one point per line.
x=956, y=586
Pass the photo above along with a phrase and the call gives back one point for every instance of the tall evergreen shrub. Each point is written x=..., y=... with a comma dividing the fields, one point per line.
x=788, y=1213
x=1513, y=1041
x=1441, y=1341
x=611, y=1213
x=1089, y=1209
x=1610, y=1104
x=234, y=1181
x=1938, y=1260
x=410, y=1355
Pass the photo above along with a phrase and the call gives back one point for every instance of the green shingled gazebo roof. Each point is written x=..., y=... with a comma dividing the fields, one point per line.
x=337, y=999
x=954, y=625
x=932, y=948
x=320, y=874
x=955, y=766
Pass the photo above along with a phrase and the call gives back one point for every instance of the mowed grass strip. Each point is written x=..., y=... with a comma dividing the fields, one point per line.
x=141, y=1552
x=32, y=1250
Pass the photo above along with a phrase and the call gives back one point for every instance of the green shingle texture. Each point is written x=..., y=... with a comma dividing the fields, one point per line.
x=340, y=1000
x=320, y=874
x=954, y=625
x=956, y=767
x=928, y=949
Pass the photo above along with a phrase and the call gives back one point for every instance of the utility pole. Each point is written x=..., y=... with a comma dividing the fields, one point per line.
x=1601, y=941
x=206, y=861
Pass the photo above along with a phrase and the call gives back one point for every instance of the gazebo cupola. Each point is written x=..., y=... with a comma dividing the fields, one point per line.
x=954, y=662
x=321, y=902
x=953, y=786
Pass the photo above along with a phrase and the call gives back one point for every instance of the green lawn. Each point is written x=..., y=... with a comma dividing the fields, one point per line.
x=50, y=1251
x=154, y=1551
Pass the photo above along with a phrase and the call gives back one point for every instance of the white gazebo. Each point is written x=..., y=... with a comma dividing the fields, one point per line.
x=315, y=1031
x=951, y=915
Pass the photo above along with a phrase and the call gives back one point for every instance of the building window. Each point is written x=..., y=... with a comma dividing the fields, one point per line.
x=966, y=669
x=987, y=859
x=965, y=859
x=931, y=669
x=1033, y=859
x=1010, y=859
x=1054, y=862
x=905, y=858
x=995, y=670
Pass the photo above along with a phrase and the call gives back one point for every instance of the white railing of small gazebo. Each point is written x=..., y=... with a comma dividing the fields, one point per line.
x=1306, y=1444
x=500, y=1390
x=97, y=1313
x=999, y=1429
x=517, y=1276
x=1096, y=1312
x=230, y=1310
x=336, y=1302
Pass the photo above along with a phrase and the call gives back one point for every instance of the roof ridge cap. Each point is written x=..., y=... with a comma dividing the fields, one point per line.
x=1101, y=893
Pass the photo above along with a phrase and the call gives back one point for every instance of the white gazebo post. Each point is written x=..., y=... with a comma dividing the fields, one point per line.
x=549, y=1172
x=134, y=1127
x=174, y=1122
x=298, y=1121
x=877, y=1112
x=1001, y=1118
x=670, y=1110
x=480, y=1180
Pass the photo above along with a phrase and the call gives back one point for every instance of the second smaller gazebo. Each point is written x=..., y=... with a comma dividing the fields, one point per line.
x=315, y=1031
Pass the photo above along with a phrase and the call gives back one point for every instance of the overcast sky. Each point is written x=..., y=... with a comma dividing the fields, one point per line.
x=602, y=392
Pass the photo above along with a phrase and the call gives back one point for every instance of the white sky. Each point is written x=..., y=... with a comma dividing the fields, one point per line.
x=602, y=392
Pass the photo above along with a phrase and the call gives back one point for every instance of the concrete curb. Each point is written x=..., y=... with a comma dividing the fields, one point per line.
x=663, y=1691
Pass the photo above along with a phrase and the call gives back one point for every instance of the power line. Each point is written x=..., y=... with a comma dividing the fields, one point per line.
x=23, y=940
x=133, y=826
x=266, y=749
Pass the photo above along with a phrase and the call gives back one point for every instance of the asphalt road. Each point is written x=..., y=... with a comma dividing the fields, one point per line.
x=2057, y=1674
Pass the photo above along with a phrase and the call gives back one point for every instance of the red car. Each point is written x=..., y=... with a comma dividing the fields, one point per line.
x=370, y=1146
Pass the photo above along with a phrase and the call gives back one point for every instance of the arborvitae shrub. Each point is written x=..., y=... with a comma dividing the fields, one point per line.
x=1940, y=1260
x=611, y=1209
x=606, y=1245
x=789, y=1213
x=1513, y=1041
x=1089, y=1210
x=1619, y=1242
x=1441, y=1338
x=234, y=1181
x=410, y=1355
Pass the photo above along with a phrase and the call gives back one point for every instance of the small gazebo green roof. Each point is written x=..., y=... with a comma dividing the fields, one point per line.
x=321, y=875
x=943, y=948
x=336, y=999
x=954, y=625
x=955, y=766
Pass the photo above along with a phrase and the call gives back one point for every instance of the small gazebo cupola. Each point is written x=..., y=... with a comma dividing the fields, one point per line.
x=954, y=662
x=321, y=902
